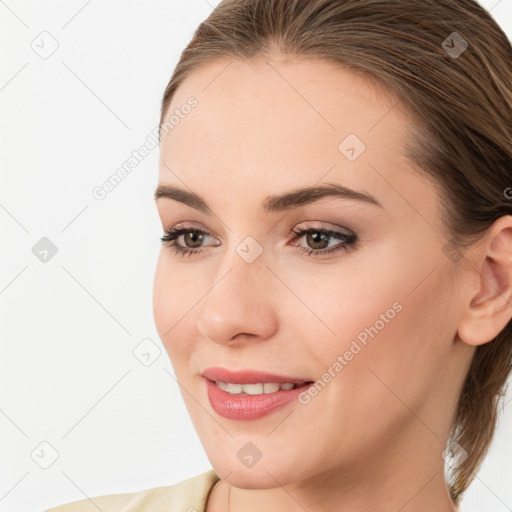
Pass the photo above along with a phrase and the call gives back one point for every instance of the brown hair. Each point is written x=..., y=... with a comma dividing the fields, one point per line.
x=461, y=101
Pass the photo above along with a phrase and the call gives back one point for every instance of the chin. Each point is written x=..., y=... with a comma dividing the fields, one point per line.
x=260, y=476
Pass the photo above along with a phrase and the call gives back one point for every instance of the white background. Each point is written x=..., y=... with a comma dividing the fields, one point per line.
x=68, y=375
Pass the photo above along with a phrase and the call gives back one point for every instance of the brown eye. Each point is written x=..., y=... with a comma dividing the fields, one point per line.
x=192, y=240
x=194, y=237
x=317, y=240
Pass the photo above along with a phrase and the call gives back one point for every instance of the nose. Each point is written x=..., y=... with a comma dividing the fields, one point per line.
x=239, y=305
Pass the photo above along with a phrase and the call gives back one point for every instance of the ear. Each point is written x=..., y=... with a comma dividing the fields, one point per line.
x=489, y=304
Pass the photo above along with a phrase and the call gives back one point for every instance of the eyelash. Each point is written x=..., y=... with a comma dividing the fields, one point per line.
x=349, y=240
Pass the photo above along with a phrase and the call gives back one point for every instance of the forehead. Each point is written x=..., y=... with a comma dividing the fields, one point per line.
x=294, y=99
x=264, y=126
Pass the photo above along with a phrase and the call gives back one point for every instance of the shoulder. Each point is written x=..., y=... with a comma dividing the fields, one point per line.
x=187, y=496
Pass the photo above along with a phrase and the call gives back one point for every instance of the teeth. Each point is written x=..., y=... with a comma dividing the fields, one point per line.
x=251, y=389
x=254, y=389
x=271, y=387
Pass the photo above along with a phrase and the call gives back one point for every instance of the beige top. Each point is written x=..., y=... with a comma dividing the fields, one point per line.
x=190, y=495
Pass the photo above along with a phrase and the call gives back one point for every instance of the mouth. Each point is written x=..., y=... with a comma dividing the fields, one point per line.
x=249, y=394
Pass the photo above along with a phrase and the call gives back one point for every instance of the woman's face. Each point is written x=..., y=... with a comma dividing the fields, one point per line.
x=374, y=320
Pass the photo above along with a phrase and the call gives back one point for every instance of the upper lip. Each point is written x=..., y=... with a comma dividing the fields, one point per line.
x=249, y=376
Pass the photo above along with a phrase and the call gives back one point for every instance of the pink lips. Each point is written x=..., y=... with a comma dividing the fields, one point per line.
x=247, y=407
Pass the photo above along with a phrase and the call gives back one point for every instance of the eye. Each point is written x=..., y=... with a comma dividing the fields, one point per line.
x=190, y=234
x=317, y=238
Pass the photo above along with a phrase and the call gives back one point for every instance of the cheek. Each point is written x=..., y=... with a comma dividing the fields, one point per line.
x=172, y=303
x=341, y=302
x=388, y=331
x=380, y=315
x=392, y=336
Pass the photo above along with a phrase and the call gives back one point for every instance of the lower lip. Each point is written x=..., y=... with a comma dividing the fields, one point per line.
x=249, y=407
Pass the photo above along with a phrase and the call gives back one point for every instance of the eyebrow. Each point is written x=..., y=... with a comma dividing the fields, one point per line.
x=276, y=203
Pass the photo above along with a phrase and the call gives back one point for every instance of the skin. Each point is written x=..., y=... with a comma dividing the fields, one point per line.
x=372, y=439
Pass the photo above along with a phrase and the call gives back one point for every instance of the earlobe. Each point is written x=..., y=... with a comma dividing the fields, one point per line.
x=489, y=307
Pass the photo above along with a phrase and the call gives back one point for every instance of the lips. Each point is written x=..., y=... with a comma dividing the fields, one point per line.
x=243, y=395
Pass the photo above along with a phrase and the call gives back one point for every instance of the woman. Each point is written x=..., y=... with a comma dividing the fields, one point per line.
x=334, y=286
